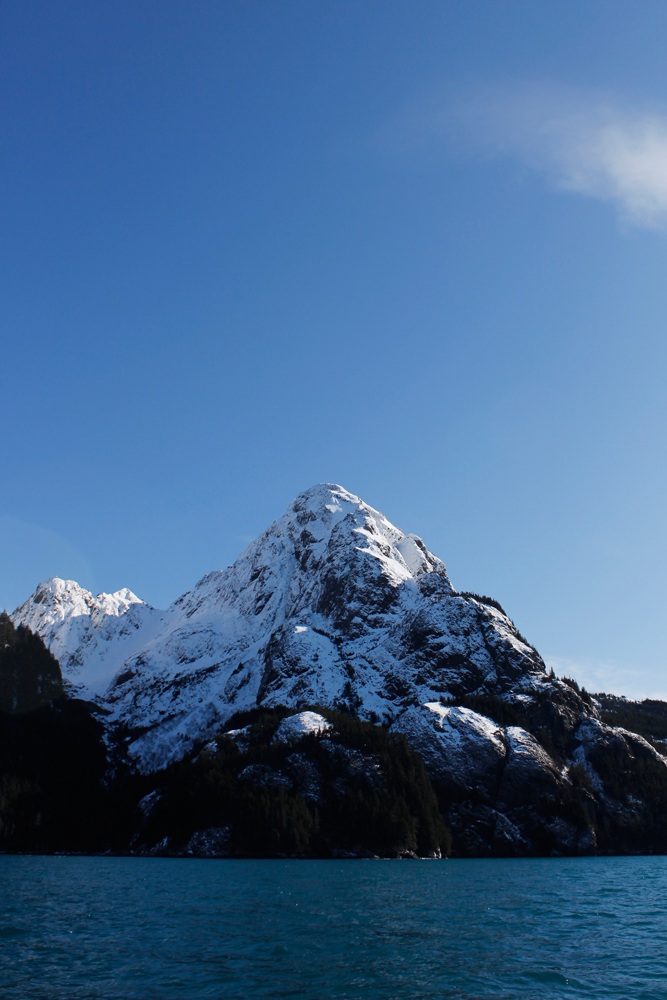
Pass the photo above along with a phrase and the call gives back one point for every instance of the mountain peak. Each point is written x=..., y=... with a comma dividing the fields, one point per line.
x=66, y=598
x=327, y=504
x=326, y=491
x=332, y=604
x=89, y=636
x=345, y=515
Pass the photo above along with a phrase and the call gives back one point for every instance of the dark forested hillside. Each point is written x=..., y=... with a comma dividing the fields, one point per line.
x=358, y=792
x=361, y=791
x=52, y=757
x=52, y=768
x=29, y=675
x=561, y=772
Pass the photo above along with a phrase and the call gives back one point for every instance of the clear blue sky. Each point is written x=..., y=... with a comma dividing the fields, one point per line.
x=418, y=249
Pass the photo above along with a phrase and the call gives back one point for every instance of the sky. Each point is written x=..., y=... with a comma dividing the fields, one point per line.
x=417, y=249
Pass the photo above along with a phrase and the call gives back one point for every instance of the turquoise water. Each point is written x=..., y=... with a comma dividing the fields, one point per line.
x=117, y=928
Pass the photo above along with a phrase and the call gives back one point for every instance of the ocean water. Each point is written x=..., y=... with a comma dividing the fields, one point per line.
x=117, y=928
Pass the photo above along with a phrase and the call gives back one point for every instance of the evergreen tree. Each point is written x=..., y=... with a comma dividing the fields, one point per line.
x=29, y=675
x=7, y=630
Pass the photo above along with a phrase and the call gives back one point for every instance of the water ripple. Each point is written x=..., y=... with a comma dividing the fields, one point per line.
x=138, y=929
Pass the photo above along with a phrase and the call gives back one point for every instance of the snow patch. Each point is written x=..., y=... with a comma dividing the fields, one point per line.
x=466, y=747
x=296, y=726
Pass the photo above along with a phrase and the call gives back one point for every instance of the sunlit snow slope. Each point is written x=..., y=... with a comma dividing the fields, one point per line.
x=90, y=636
x=331, y=604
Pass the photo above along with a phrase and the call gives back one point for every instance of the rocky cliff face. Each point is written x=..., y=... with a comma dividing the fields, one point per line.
x=505, y=794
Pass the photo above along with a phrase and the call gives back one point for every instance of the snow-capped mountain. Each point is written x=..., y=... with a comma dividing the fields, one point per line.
x=91, y=637
x=332, y=604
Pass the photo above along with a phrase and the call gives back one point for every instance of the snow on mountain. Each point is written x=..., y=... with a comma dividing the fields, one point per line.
x=90, y=636
x=467, y=747
x=303, y=724
x=331, y=605
x=472, y=754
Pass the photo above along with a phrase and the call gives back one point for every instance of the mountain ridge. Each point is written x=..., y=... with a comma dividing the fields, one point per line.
x=331, y=604
x=334, y=610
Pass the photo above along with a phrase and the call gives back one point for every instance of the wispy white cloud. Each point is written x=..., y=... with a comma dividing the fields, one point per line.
x=582, y=141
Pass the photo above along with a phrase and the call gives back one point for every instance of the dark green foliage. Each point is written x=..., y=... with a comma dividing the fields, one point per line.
x=29, y=675
x=574, y=803
x=56, y=794
x=368, y=794
x=502, y=712
x=483, y=600
x=581, y=691
x=272, y=823
x=636, y=774
x=7, y=630
x=648, y=718
x=52, y=762
x=52, y=759
x=637, y=781
x=405, y=810
x=579, y=777
x=653, y=707
x=374, y=795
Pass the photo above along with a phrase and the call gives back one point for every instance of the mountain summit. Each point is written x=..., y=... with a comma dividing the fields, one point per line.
x=331, y=605
x=268, y=680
